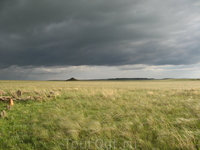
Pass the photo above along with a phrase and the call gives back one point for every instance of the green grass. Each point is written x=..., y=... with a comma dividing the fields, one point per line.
x=98, y=115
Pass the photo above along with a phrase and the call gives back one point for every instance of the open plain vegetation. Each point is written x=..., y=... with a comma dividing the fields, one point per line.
x=100, y=115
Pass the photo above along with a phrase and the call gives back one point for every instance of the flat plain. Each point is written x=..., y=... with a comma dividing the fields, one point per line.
x=99, y=115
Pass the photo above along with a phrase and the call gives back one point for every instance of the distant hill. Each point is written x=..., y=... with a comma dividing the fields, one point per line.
x=72, y=79
x=131, y=79
x=120, y=79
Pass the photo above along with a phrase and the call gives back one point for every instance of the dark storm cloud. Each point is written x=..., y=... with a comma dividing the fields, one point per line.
x=99, y=32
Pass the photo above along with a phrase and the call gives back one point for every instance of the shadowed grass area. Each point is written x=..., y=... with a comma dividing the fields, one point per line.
x=102, y=115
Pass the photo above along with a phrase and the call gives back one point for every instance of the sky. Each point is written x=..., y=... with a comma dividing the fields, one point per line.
x=97, y=39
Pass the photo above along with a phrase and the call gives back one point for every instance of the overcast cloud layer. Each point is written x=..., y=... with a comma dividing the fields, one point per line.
x=49, y=33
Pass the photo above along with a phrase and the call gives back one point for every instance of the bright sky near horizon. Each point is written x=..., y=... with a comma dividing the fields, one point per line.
x=94, y=39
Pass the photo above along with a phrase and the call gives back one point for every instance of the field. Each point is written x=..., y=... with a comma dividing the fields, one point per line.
x=101, y=115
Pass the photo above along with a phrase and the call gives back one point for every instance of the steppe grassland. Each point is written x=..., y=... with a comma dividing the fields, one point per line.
x=156, y=114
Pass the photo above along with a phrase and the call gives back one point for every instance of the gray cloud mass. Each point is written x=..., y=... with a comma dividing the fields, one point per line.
x=99, y=32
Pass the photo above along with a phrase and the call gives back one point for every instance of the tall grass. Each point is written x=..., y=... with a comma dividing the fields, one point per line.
x=102, y=115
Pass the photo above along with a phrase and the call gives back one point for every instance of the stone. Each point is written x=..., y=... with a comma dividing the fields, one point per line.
x=19, y=93
x=3, y=113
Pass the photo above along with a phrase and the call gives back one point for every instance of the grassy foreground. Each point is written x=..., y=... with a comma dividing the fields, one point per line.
x=100, y=115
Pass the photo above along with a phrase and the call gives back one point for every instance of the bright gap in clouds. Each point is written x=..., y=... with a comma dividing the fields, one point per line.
x=100, y=72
